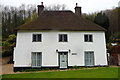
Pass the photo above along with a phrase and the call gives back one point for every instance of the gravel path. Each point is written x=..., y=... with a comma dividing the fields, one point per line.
x=7, y=69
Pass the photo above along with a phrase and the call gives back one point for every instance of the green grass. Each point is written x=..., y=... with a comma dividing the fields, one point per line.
x=106, y=72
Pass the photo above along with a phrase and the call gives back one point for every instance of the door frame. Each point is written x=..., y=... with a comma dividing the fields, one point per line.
x=59, y=59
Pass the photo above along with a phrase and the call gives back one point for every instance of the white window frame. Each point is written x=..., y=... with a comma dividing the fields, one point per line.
x=63, y=38
x=36, y=59
x=93, y=57
x=88, y=37
x=37, y=38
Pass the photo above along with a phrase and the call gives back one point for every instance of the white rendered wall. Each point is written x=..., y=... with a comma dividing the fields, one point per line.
x=49, y=45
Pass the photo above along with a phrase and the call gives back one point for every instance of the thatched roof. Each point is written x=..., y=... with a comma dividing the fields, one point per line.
x=61, y=20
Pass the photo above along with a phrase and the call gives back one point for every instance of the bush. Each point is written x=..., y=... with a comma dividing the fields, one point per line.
x=115, y=38
x=29, y=70
x=6, y=53
x=47, y=69
x=55, y=68
x=75, y=67
x=8, y=46
x=81, y=67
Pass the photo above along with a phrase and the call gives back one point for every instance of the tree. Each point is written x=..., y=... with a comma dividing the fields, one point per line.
x=90, y=17
x=102, y=20
x=55, y=7
x=12, y=17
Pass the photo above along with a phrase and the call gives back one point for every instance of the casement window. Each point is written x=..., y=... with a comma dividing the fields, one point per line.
x=63, y=38
x=36, y=59
x=37, y=37
x=89, y=58
x=88, y=38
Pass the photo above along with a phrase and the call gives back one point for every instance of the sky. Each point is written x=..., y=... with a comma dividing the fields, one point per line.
x=88, y=6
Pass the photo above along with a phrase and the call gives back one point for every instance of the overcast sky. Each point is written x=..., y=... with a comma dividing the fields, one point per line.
x=88, y=6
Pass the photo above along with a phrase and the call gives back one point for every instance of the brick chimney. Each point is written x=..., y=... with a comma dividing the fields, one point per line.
x=78, y=10
x=40, y=8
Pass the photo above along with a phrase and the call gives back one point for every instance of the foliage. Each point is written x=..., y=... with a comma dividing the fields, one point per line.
x=44, y=69
x=29, y=70
x=102, y=20
x=8, y=45
x=12, y=17
x=89, y=16
x=115, y=38
x=75, y=67
x=55, y=7
x=114, y=18
x=109, y=19
x=33, y=17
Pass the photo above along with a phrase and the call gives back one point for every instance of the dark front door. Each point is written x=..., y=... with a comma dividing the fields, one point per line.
x=63, y=60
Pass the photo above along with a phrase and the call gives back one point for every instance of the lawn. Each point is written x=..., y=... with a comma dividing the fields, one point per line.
x=107, y=72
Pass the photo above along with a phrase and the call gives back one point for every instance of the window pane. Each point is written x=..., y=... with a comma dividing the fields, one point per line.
x=86, y=38
x=33, y=62
x=65, y=38
x=39, y=58
x=90, y=38
x=33, y=59
x=34, y=37
x=60, y=38
x=39, y=37
x=89, y=58
x=38, y=62
x=33, y=55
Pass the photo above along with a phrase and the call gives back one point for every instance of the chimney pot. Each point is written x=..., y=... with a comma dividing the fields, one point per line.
x=42, y=3
x=76, y=4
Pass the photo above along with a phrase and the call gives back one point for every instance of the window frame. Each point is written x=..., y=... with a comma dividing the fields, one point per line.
x=90, y=57
x=37, y=39
x=36, y=53
x=88, y=38
x=63, y=38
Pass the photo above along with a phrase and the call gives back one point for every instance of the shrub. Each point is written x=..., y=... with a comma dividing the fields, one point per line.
x=29, y=70
x=75, y=67
x=6, y=53
x=8, y=46
x=115, y=38
x=81, y=67
x=55, y=68
x=47, y=69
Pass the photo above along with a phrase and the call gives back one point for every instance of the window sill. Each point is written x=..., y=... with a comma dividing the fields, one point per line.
x=36, y=41
x=36, y=66
x=88, y=41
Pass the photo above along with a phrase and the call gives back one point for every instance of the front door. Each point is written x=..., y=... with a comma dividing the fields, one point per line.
x=63, y=59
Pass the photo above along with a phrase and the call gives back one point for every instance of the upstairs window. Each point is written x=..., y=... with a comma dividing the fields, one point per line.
x=63, y=38
x=88, y=38
x=37, y=37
